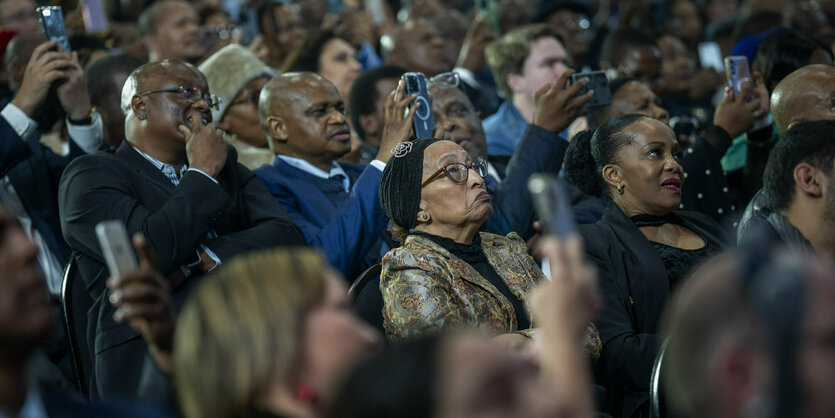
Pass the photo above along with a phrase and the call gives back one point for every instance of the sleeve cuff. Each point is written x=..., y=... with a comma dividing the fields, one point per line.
x=211, y=255
x=203, y=173
x=378, y=165
x=88, y=137
x=17, y=119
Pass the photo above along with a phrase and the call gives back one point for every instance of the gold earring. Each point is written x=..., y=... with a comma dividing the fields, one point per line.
x=620, y=189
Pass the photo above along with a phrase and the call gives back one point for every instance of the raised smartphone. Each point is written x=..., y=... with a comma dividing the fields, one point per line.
x=738, y=72
x=52, y=23
x=710, y=56
x=597, y=82
x=115, y=246
x=424, y=123
x=550, y=200
x=95, y=18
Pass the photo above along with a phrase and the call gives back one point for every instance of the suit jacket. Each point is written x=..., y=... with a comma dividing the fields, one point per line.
x=635, y=289
x=425, y=288
x=175, y=222
x=345, y=233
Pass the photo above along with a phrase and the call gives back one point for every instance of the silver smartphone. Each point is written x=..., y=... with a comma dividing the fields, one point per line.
x=52, y=24
x=116, y=247
x=550, y=200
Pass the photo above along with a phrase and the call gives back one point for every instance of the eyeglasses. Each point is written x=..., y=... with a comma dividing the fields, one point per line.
x=445, y=80
x=459, y=172
x=191, y=95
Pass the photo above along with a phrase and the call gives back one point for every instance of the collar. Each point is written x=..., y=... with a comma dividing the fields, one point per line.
x=305, y=166
x=167, y=169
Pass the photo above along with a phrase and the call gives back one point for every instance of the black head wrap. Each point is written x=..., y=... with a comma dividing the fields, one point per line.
x=400, y=183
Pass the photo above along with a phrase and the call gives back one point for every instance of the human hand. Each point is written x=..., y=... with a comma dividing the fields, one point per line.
x=142, y=300
x=734, y=114
x=205, y=148
x=258, y=47
x=47, y=64
x=72, y=92
x=206, y=262
x=396, y=127
x=556, y=106
x=704, y=82
x=478, y=36
x=512, y=341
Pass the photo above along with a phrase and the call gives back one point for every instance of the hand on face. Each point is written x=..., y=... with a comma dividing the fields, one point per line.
x=556, y=106
x=397, y=127
x=205, y=148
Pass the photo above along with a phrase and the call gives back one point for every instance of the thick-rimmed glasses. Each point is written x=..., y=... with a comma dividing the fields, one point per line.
x=190, y=94
x=445, y=80
x=459, y=172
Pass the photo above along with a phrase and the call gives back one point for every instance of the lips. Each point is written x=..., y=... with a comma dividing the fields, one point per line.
x=341, y=135
x=672, y=183
x=483, y=197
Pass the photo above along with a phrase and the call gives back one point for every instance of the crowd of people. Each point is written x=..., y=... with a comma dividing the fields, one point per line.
x=302, y=253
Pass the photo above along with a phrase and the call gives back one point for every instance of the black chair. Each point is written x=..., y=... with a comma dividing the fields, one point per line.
x=657, y=404
x=368, y=301
x=75, y=302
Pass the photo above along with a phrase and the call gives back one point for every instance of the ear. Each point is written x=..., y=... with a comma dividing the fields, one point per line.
x=370, y=124
x=515, y=82
x=139, y=107
x=612, y=175
x=277, y=128
x=808, y=180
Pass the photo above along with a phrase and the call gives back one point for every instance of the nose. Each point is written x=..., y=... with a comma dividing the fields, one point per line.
x=474, y=179
x=337, y=118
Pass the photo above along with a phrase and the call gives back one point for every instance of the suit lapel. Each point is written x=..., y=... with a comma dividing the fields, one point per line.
x=137, y=162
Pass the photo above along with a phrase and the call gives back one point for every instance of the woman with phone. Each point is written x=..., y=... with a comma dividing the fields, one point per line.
x=643, y=247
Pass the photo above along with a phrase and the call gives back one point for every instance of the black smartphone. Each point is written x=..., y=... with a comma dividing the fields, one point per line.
x=597, y=82
x=52, y=23
x=424, y=124
x=550, y=200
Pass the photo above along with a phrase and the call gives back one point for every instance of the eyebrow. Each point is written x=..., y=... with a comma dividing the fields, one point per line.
x=655, y=143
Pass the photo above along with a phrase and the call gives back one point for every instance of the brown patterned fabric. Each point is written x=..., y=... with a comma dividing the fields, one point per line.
x=425, y=288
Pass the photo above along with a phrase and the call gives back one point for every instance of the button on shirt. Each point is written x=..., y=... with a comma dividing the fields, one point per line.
x=171, y=173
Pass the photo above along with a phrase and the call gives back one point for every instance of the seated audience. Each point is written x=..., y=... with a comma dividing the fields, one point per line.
x=281, y=26
x=333, y=58
x=804, y=95
x=416, y=46
x=631, y=53
x=336, y=205
x=170, y=30
x=522, y=61
x=367, y=101
x=686, y=91
x=642, y=248
x=175, y=181
x=447, y=274
x=751, y=336
x=237, y=77
x=105, y=79
x=571, y=21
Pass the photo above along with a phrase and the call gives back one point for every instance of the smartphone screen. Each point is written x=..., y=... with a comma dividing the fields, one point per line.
x=738, y=72
x=550, y=200
x=95, y=19
x=711, y=56
x=116, y=247
x=52, y=23
x=597, y=82
x=424, y=124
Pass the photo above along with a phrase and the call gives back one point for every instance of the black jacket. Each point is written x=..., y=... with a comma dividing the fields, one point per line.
x=175, y=222
x=635, y=289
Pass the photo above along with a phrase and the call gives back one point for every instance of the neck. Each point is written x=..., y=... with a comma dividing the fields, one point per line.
x=169, y=152
x=320, y=162
x=807, y=218
x=524, y=105
x=461, y=235
x=12, y=386
x=632, y=208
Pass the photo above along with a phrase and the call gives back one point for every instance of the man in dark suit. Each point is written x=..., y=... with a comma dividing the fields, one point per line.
x=175, y=181
x=335, y=204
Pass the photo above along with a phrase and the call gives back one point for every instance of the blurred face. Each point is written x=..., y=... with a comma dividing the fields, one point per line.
x=644, y=63
x=816, y=350
x=110, y=110
x=676, y=65
x=482, y=380
x=457, y=120
x=649, y=170
x=166, y=111
x=451, y=206
x=686, y=22
x=289, y=28
x=334, y=339
x=547, y=61
x=720, y=9
x=25, y=316
x=316, y=125
x=339, y=65
x=636, y=97
x=178, y=35
x=574, y=28
x=18, y=15
x=423, y=49
x=241, y=117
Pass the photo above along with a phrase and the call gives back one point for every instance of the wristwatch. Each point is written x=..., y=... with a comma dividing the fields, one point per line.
x=84, y=121
x=192, y=264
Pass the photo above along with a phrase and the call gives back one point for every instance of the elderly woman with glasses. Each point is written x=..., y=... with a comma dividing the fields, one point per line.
x=447, y=273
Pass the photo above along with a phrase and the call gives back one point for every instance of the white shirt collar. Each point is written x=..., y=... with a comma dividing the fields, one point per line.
x=305, y=166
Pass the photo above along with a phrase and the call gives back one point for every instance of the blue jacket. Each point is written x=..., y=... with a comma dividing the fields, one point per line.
x=344, y=234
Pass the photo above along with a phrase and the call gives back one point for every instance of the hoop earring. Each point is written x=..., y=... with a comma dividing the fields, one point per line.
x=620, y=189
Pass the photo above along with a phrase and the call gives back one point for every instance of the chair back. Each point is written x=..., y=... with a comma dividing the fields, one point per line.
x=368, y=300
x=75, y=303
x=657, y=405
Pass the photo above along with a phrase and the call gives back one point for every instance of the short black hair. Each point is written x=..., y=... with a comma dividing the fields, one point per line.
x=782, y=52
x=363, y=93
x=618, y=42
x=97, y=75
x=308, y=58
x=812, y=143
x=596, y=115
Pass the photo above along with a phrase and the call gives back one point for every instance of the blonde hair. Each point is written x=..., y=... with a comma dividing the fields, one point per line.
x=240, y=330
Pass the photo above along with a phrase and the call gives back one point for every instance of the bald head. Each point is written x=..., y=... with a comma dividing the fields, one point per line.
x=148, y=75
x=804, y=95
x=285, y=90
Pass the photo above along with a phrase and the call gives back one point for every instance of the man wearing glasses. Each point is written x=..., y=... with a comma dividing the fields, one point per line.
x=175, y=181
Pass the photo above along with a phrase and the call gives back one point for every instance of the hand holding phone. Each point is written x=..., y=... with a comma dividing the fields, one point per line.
x=52, y=23
x=116, y=247
x=550, y=200
x=738, y=72
x=424, y=123
x=597, y=82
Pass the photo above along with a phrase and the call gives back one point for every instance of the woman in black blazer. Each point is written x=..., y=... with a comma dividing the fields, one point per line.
x=642, y=247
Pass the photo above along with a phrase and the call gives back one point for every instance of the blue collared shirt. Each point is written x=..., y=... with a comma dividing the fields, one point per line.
x=504, y=129
x=335, y=171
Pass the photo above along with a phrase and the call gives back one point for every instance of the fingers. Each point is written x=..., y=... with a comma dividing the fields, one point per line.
x=187, y=133
x=744, y=91
x=42, y=49
x=577, y=102
x=147, y=258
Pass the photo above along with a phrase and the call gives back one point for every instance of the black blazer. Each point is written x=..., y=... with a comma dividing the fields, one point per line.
x=635, y=289
x=174, y=220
